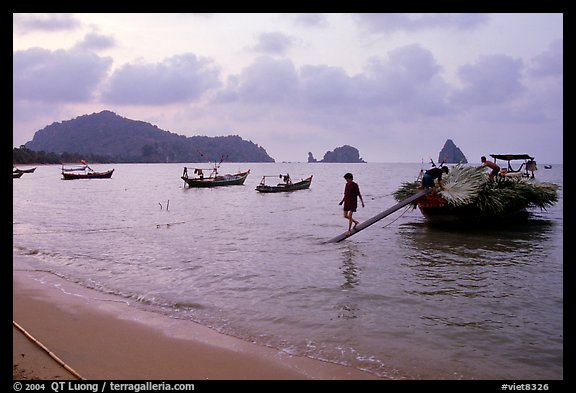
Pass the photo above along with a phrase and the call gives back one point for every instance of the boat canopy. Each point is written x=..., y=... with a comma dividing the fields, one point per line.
x=509, y=157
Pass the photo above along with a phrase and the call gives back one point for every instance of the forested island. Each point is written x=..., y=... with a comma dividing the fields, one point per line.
x=108, y=137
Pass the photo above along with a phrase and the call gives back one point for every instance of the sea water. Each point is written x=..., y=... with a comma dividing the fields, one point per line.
x=400, y=299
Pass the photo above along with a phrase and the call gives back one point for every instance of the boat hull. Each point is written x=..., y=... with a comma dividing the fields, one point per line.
x=31, y=170
x=438, y=212
x=301, y=185
x=90, y=175
x=218, y=181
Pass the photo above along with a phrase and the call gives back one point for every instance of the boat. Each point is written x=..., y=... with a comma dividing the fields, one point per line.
x=528, y=164
x=286, y=186
x=469, y=197
x=547, y=166
x=30, y=170
x=16, y=175
x=84, y=172
x=213, y=179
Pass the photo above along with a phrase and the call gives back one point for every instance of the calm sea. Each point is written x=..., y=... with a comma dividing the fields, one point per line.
x=399, y=299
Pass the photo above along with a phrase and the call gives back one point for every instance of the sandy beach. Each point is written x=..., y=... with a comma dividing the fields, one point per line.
x=101, y=337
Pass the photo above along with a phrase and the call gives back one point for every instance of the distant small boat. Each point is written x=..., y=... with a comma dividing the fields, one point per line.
x=287, y=186
x=86, y=173
x=547, y=166
x=214, y=179
x=31, y=170
x=16, y=175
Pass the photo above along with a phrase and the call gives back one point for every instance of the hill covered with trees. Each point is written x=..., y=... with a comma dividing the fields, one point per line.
x=113, y=138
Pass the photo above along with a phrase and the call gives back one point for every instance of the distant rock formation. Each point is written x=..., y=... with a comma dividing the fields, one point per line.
x=343, y=154
x=451, y=154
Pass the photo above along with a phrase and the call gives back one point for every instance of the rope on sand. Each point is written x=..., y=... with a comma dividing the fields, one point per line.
x=50, y=353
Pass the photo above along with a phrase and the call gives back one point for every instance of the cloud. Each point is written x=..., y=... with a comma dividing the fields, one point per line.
x=180, y=78
x=395, y=22
x=44, y=22
x=405, y=85
x=493, y=79
x=265, y=81
x=94, y=42
x=57, y=76
x=310, y=20
x=273, y=43
x=550, y=62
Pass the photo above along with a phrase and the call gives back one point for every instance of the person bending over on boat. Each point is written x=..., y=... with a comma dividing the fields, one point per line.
x=431, y=174
x=492, y=165
x=350, y=199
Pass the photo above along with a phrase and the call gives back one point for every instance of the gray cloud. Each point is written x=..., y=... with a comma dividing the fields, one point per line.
x=57, y=76
x=310, y=20
x=44, y=22
x=550, y=62
x=273, y=43
x=491, y=80
x=407, y=84
x=180, y=78
x=394, y=22
x=264, y=81
x=94, y=41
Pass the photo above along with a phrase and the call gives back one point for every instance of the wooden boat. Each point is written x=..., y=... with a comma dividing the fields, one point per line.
x=286, y=186
x=84, y=172
x=438, y=211
x=31, y=170
x=214, y=179
x=528, y=164
x=469, y=197
x=16, y=175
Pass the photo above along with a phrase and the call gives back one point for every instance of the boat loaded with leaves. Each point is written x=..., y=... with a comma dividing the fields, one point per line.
x=468, y=196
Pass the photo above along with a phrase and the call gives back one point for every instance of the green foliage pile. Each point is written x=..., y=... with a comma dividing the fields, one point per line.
x=469, y=187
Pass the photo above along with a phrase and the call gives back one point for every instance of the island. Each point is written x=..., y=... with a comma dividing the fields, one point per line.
x=342, y=154
x=451, y=154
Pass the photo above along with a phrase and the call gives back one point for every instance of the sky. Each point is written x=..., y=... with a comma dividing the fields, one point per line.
x=395, y=86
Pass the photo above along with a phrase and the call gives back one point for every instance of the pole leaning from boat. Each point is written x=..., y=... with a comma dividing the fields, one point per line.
x=378, y=217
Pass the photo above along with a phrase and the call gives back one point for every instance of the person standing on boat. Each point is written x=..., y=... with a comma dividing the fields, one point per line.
x=350, y=199
x=431, y=174
x=492, y=165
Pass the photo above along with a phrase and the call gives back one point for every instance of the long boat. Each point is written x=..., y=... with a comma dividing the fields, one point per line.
x=16, y=175
x=84, y=172
x=87, y=175
x=30, y=170
x=213, y=179
x=469, y=197
x=286, y=186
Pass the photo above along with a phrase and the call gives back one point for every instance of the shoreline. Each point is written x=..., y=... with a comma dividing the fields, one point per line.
x=104, y=338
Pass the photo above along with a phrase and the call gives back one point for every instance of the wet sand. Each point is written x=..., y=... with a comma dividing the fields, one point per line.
x=101, y=337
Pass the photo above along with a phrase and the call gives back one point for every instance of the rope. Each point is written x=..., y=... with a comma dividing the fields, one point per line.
x=50, y=353
x=397, y=218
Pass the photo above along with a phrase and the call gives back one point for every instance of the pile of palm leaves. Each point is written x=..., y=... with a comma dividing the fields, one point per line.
x=469, y=187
